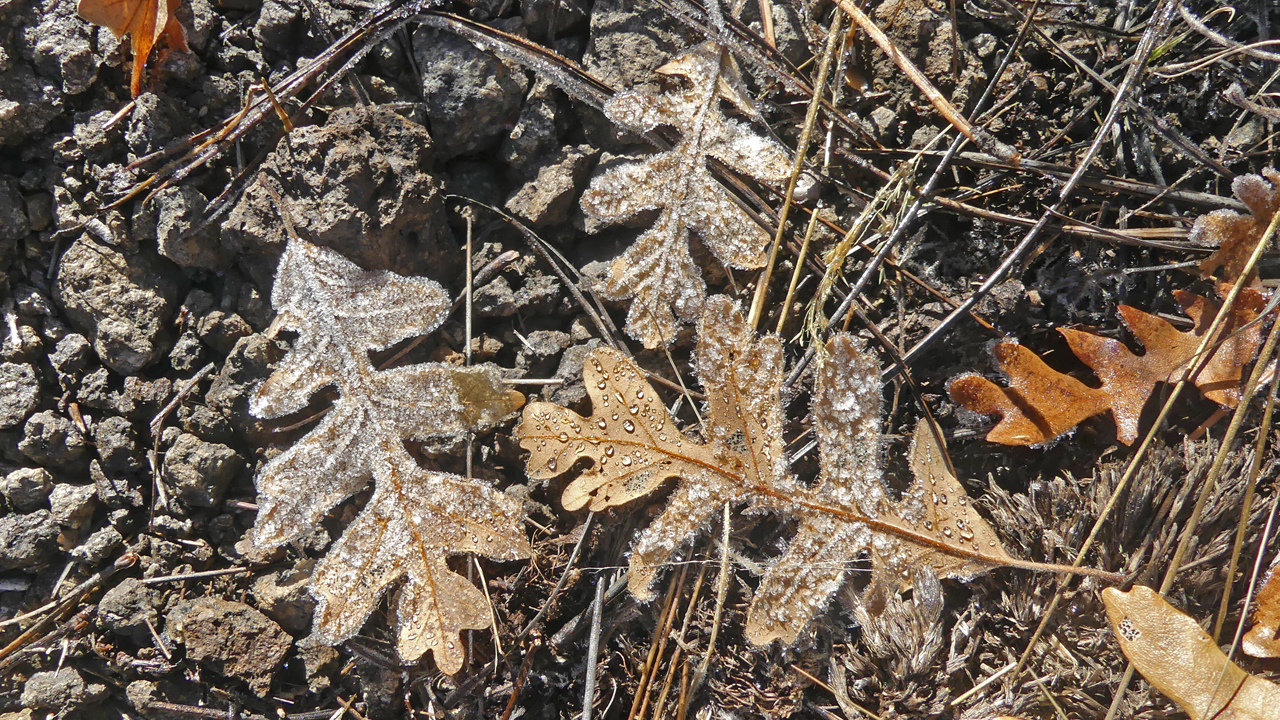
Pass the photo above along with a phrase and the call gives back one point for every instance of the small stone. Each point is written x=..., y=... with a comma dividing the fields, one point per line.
x=27, y=540
x=188, y=353
x=551, y=196
x=231, y=638
x=126, y=608
x=283, y=597
x=19, y=393
x=885, y=121
x=71, y=355
x=121, y=304
x=52, y=440
x=199, y=471
x=117, y=444
x=320, y=660
x=63, y=690
x=179, y=209
x=27, y=489
x=221, y=331
x=495, y=299
x=40, y=211
x=14, y=224
x=98, y=547
x=21, y=346
x=72, y=505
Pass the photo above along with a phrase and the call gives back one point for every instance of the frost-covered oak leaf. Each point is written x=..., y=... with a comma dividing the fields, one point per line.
x=634, y=447
x=416, y=518
x=657, y=272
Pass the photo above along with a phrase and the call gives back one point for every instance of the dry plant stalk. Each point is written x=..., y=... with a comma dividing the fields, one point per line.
x=416, y=518
x=657, y=272
x=1040, y=403
x=635, y=447
x=1179, y=659
x=146, y=22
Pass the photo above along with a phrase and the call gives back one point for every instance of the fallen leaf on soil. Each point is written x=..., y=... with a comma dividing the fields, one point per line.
x=147, y=22
x=1235, y=235
x=1180, y=660
x=635, y=447
x=1261, y=640
x=1041, y=403
x=416, y=518
x=658, y=270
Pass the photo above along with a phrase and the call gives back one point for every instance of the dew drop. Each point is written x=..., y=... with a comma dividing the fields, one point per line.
x=609, y=451
x=602, y=423
x=946, y=531
x=563, y=437
x=633, y=409
x=626, y=461
x=551, y=464
x=629, y=426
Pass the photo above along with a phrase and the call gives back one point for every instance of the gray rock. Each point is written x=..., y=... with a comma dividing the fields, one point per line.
x=27, y=104
x=231, y=638
x=277, y=26
x=495, y=299
x=64, y=691
x=39, y=210
x=126, y=608
x=52, y=440
x=283, y=597
x=14, y=224
x=72, y=505
x=98, y=547
x=63, y=48
x=117, y=444
x=178, y=211
x=199, y=471
x=71, y=355
x=572, y=393
x=188, y=353
x=537, y=131
x=630, y=40
x=27, y=540
x=121, y=303
x=359, y=185
x=27, y=489
x=221, y=331
x=116, y=492
x=538, y=294
x=319, y=660
x=19, y=393
x=549, y=198
x=156, y=120
x=23, y=346
x=470, y=94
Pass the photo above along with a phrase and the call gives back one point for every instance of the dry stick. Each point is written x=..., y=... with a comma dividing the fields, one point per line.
x=593, y=650
x=722, y=591
x=901, y=228
x=944, y=107
x=577, y=547
x=659, y=632
x=675, y=654
x=662, y=641
x=797, y=164
x=795, y=274
x=1155, y=29
x=1255, y=469
x=194, y=575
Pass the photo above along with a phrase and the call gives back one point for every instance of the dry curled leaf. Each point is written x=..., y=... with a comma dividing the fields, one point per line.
x=1180, y=660
x=657, y=271
x=1261, y=640
x=146, y=22
x=1041, y=403
x=1235, y=235
x=634, y=447
x=416, y=518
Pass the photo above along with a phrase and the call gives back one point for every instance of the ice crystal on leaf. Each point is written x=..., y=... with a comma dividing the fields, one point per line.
x=1235, y=235
x=634, y=446
x=657, y=271
x=416, y=518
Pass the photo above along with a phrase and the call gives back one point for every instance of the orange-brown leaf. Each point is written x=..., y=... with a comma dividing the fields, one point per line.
x=1261, y=640
x=146, y=22
x=1041, y=403
x=1237, y=235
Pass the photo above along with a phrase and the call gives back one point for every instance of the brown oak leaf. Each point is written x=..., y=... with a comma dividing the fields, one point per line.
x=1040, y=403
x=1235, y=235
x=416, y=518
x=635, y=447
x=146, y=22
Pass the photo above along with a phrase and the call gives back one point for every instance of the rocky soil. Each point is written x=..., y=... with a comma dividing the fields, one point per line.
x=134, y=333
